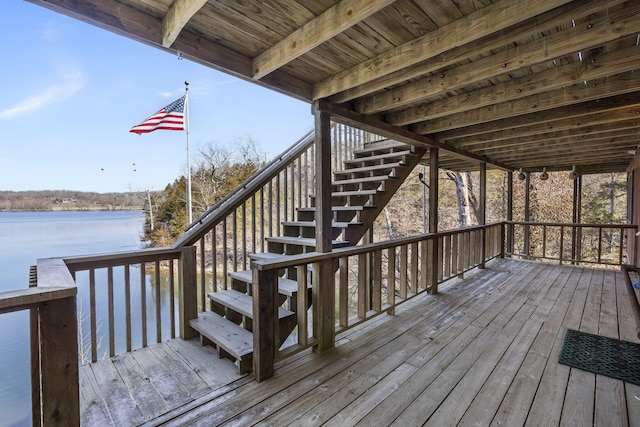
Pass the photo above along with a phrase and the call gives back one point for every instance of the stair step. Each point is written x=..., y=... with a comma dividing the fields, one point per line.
x=241, y=303
x=362, y=180
x=375, y=168
x=264, y=256
x=354, y=193
x=313, y=224
x=334, y=208
x=382, y=146
x=382, y=156
x=286, y=287
x=303, y=241
x=232, y=338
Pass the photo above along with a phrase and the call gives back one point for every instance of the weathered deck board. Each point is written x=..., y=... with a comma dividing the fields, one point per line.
x=484, y=351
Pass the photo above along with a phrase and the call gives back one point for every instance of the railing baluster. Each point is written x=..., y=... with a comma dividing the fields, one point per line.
x=391, y=280
x=143, y=302
x=172, y=308
x=127, y=304
x=92, y=311
x=110, y=304
x=403, y=271
x=376, y=278
x=203, y=276
x=414, y=268
x=159, y=303
x=343, y=297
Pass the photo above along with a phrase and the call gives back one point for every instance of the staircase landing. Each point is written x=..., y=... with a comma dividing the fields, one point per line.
x=482, y=351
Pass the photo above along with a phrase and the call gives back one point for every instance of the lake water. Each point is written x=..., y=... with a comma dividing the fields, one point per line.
x=25, y=237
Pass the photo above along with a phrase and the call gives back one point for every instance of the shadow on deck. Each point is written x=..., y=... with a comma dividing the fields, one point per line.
x=483, y=351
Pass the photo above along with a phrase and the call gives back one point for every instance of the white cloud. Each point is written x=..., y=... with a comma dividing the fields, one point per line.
x=70, y=84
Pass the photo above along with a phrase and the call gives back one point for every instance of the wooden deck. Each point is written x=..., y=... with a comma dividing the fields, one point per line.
x=482, y=352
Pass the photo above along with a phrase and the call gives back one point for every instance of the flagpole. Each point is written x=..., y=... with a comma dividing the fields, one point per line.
x=186, y=117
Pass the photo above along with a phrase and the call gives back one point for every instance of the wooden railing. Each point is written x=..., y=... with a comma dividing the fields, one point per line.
x=54, y=353
x=371, y=279
x=602, y=244
x=238, y=225
x=134, y=299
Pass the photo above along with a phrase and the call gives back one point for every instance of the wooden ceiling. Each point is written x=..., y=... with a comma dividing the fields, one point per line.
x=516, y=84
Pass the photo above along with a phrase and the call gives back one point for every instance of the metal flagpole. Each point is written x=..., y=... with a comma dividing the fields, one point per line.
x=186, y=118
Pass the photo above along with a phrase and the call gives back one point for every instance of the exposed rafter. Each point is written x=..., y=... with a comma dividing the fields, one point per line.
x=372, y=124
x=465, y=30
x=177, y=17
x=332, y=22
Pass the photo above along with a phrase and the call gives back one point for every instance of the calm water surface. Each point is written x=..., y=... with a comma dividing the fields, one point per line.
x=25, y=237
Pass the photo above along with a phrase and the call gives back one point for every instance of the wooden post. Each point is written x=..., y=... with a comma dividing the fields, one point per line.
x=324, y=272
x=188, y=291
x=527, y=198
x=510, y=212
x=324, y=297
x=434, y=166
x=265, y=323
x=483, y=213
x=323, y=181
x=59, y=362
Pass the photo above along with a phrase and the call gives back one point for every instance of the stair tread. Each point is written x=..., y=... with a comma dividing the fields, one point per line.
x=368, y=168
x=339, y=224
x=361, y=180
x=286, y=286
x=379, y=156
x=242, y=303
x=302, y=241
x=382, y=145
x=354, y=193
x=335, y=208
x=234, y=339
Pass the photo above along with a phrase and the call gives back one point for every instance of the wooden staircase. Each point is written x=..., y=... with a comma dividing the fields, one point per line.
x=359, y=193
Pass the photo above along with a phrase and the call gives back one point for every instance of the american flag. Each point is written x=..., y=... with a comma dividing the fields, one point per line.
x=170, y=117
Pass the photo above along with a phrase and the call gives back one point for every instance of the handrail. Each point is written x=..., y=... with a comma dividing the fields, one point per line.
x=243, y=191
x=285, y=261
x=85, y=262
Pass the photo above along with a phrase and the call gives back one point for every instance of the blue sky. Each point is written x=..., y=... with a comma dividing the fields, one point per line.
x=70, y=92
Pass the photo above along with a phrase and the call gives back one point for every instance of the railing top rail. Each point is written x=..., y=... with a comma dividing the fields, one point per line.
x=570, y=224
x=55, y=280
x=121, y=258
x=310, y=257
x=232, y=200
x=24, y=299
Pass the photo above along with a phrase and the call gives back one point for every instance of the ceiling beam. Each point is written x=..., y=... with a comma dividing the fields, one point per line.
x=371, y=124
x=177, y=17
x=577, y=93
x=525, y=30
x=330, y=23
x=592, y=113
x=483, y=22
x=614, y=26
x=591, y=69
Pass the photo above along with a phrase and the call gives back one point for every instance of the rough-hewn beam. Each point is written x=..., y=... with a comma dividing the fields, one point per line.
x=591, y=68
x=613, y=26
x=603, y=110
x=177, y=17
x=615, y=85
x=371, y=124
x=522, y=31
x=481, y=23
x=330, y=23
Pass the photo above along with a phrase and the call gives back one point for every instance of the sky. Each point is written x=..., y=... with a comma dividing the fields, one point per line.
x=70, y=92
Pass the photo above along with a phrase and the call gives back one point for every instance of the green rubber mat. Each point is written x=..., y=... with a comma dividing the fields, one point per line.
x=601, y=355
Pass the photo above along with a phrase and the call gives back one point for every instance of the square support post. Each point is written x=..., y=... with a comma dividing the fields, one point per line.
x=483, y=213
x=324, y=272
x=434, y=166
x=265, y=323
x=527, y=213
x=510, y=212
x=60, y=389
x=324, y=298
x=188, y=291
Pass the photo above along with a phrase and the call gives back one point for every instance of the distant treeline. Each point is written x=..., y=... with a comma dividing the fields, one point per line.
x=50, y=200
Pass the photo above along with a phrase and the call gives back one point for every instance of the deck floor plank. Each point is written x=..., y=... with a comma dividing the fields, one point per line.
x=483, y=351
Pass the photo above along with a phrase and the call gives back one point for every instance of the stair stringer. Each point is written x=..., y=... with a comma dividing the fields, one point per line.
x=368, y=216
